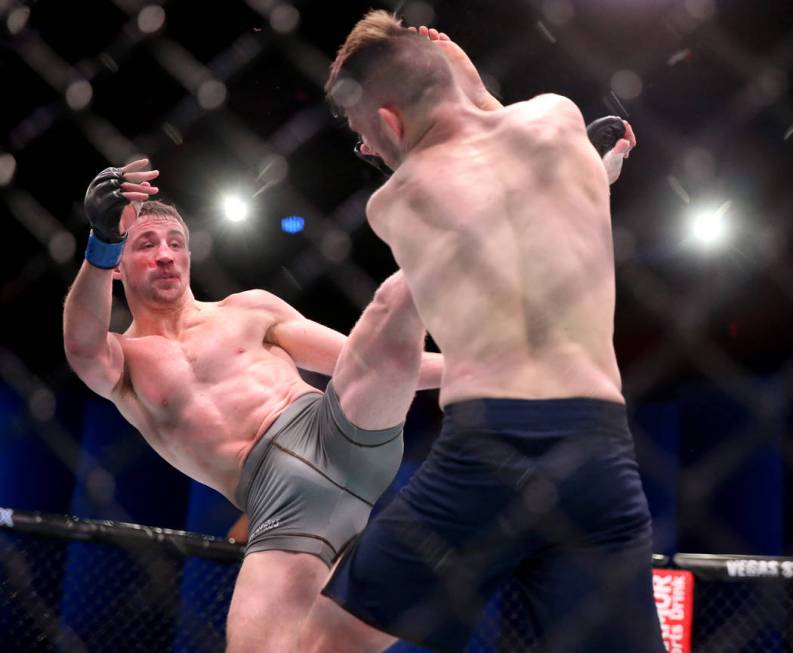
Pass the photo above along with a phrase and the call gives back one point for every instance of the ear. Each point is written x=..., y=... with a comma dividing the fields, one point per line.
x=117, y=273
x=393, y=122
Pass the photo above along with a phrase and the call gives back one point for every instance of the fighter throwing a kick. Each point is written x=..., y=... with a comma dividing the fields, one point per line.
x=214, y=389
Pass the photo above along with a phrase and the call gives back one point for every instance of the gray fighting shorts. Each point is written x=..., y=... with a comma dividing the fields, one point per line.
x=310, y=482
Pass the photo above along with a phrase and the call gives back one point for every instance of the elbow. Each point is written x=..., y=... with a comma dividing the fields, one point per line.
x=77, y=350
x=74, y=353
x=73, y=344
x=79, y=341
x=72, y=347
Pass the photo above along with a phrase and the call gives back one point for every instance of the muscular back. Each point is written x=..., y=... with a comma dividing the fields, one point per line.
x=202, y=399
x=504, y=235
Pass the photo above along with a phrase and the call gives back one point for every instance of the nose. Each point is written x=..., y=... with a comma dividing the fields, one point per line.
x=164, y=256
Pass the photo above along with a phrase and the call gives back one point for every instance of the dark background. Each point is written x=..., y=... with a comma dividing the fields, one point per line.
x=704, y=338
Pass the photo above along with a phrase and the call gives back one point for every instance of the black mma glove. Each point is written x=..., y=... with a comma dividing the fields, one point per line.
x=605, y=132
x=103, y=205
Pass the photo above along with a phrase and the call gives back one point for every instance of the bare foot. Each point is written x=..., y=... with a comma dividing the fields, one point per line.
x=463, y=69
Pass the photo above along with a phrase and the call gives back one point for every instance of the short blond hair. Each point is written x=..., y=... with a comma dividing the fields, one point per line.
x=375, y=27
x=389, y=62
x=162, y=211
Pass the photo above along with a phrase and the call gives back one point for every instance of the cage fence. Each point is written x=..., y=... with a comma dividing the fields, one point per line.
x=80, y=585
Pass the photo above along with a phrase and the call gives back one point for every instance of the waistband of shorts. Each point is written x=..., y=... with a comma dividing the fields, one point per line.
x=540, y=415
x=256, y=454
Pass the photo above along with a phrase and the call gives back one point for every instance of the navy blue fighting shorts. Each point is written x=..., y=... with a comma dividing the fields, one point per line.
x=544, y=492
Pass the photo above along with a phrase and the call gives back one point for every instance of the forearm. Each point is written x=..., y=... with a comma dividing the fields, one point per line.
x=313, y=347
x=86, y=312
x=431, y=371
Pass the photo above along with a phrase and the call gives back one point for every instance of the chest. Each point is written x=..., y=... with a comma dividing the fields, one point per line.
x=205, y=353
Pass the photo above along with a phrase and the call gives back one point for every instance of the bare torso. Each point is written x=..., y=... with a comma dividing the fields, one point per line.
x=202, y=400
x=504, y=235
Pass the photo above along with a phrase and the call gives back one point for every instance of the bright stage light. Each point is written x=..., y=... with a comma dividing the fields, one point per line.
x=235, y=209
x=710, y=228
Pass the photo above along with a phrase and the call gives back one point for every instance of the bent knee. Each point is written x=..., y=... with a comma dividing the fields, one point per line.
x=394, y=294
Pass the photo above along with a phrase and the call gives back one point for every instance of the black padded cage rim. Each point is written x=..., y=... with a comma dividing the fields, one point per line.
x=180, y=543
x=183, y=543
x=736, y=568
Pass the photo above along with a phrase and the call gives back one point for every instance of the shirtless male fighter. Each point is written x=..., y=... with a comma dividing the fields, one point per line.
x=499, y=218
x=214, y=388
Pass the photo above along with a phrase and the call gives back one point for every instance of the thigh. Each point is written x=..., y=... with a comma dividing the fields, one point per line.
x=594, y=599
x=425, y=567
x=272, y=597
x=363, y=461
x=378, y=369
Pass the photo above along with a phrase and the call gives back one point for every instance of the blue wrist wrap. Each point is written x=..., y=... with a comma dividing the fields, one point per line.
x=101, y=254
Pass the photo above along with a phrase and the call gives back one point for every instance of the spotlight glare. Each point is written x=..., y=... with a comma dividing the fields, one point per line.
x=710, y=228
x=235, y=209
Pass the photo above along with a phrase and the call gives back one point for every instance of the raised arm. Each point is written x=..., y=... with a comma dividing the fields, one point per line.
x=316, y=348
x=613, y=141
x=94, y=353
x=469, y=80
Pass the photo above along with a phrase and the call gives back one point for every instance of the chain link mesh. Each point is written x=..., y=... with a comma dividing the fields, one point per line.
x=67, y=596
x=714, y=114
x=57, y=595
x=743, y=617
x=72, y=596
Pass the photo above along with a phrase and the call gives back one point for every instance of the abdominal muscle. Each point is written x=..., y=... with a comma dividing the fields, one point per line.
x=206, y=429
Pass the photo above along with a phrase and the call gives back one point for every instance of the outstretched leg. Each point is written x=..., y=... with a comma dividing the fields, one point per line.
x=377, y=372
x=464, y=71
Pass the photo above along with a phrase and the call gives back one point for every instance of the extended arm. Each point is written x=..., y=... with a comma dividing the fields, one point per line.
x=615, y=155
x=312, y=346
x=93, y=352
x=469, y=80
x=316, y=348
